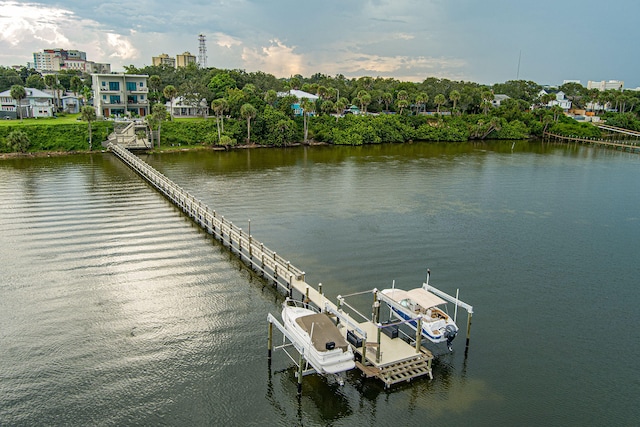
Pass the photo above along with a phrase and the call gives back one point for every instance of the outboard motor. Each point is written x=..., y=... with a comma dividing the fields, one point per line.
x=450, y=333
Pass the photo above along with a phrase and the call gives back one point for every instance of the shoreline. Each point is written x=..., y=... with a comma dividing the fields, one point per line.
x=40, y=154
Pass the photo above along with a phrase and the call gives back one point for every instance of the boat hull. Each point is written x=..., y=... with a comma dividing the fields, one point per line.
x=324, y=347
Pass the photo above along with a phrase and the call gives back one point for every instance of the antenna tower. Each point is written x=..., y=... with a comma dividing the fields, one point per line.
x=202, y=52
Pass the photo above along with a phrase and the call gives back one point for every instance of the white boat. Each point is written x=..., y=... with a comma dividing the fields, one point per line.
x=325, y=349
x=437, y=325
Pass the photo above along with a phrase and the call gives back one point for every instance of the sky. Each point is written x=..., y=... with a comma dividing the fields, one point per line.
x=482, y=41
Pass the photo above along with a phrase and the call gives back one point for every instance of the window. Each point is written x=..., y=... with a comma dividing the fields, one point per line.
x=114, y=85
x=131, y=86
x=114, y=99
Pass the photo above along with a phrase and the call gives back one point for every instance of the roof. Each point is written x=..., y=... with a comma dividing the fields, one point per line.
x=300, y=94
x=31, y=93
x=424, y=298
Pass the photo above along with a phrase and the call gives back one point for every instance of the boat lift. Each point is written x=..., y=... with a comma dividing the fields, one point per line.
x=305, y=365
x=455, y=300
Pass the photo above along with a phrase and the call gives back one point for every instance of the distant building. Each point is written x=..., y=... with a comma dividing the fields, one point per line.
x=606, y=85
x=120, y=95
x=185, y=59
x=52, y=60
x=163, y=59
x=36, y=104
x=561, y=99
x=499, y=99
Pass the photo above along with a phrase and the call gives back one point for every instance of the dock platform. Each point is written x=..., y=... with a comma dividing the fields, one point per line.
x=392, y=360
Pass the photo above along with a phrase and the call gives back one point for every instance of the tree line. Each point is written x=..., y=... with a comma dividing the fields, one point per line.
x=250, y=106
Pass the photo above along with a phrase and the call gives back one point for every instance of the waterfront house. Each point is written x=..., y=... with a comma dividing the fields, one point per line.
x=188, y=108
x=499, y=99
x=36, y=104
x=120, y=95
x=300, y=94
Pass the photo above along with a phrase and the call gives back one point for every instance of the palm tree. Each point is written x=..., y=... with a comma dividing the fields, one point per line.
x=170, y=93
x=86, y=93
x=18, y=93
x=219, y=106
x=421, y=101
x=454, y=96
x=387, y=97
x=339, y=106
x=154, y=84
x=439, y=100
x=487, y=97
x=308, y=107
x=402, y=99
x=248, y=111
x=88, y=114
x=155, y=119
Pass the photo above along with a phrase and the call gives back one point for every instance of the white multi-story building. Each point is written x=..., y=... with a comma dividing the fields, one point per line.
x=60, y=59
x=606, y=85
x=120, y=95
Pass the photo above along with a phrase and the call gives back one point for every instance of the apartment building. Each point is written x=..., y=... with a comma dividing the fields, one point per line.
x=163, y=59
x=185, y=59
x=51, y=60
x=120, y=95
x=606, y=85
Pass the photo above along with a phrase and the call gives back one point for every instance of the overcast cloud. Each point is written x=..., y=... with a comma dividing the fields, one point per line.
x=487, y=41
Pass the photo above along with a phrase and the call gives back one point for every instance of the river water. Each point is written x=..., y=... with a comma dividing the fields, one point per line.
x=115, y=309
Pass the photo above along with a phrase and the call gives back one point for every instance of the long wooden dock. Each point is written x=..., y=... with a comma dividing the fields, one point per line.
x=630, y=146
x=390, y=360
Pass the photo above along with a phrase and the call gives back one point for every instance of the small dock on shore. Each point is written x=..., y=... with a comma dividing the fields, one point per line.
x=388, y=357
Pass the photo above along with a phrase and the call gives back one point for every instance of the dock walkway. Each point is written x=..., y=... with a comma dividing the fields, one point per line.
x=390, y=360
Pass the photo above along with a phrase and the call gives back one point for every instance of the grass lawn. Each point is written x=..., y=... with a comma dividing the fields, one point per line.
x=67, y=119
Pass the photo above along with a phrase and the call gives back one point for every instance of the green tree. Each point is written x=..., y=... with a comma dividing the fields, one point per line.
x=248, y=112
x=154, y=83
x=75, y=85
x=220, y=84
x=35, y=81
x=387, y=97
x=439, y=100
x=421, y=101
x=454, y=96
x=339, y=106
x=271, y=97
x=18, y=93
x=88, y=114
x=170, y=93
x=487, y=97
x=219, y=106
x=86, y=93
x=18, y=141
x=308, y=108
x=155, y=119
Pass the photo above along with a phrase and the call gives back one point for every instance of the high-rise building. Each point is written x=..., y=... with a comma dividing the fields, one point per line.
x=163, y=59
x=185, y=59
x=60, y=59
x=606, y=85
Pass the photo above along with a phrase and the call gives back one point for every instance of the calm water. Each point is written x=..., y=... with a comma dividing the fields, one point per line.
x=116, y=310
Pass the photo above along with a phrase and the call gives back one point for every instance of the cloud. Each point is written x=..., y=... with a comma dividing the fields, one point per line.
x=225, y=40
x=277, y=59
x=121, y=47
